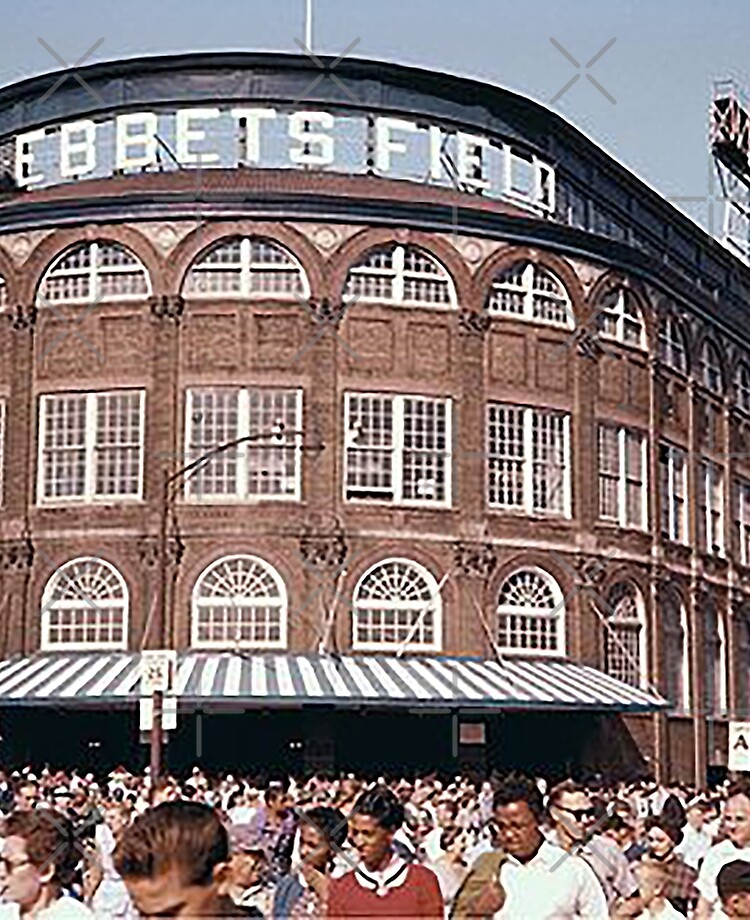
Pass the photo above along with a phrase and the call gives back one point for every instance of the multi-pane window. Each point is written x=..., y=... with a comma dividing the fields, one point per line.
x=397, y=604
x=622, y=476
x=530, y=292
x=624, y=635
x=85, y=604
x=715, y=678
x=91, y=446
x=743, y=658
x=672, y=489
x=710, y=487
x=92, y=273
x=618, y=317
x=400, y=275
x=672, y=345
x=239, y=601
x=3, y=293
x=528, y=459
x=267, y=464
x=397, y=449
x=676, y=651
x=246, y=267
x=743, y=519
x=531, y=614
x=742, y=386
x=712, y=377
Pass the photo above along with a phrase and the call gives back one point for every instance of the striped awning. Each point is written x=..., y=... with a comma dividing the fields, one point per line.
x=278, y=680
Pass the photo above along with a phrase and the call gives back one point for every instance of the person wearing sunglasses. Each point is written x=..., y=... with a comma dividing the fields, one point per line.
x=575, y=825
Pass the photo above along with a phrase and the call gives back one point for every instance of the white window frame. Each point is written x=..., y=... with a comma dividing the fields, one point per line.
x=243, y=494
x=708, y=367
x=612, y=632
x=706, y=471
x=675, y=501
x=399, y=273
x=683, y=705
x=245, y=272
x=559, y=613
x=742, y=389
x=540, y=169
x=671, y=342
x=47, y=605
x=398, y=450
x=89, y=496
x=530, y=414
x=437, y=630
x=94, y=270
x=283, y=607
x=3, y=294
x=618, y=311
x=624, y=479
x=528, y=291
x=743, y=519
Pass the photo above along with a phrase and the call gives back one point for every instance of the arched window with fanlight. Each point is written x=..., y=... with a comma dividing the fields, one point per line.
x=712, y=376
x=85, y=605
x=742, y=386
x=531, y=614
x=397, y=605
x=239, y=601
x=673, y=350
x=97, y=272
x=618, y=317
x=246, y=268
x=625, y=647
x=400, y=275
x=715, y=650
x=3, y=293
x=676, y=650
x=530, y=292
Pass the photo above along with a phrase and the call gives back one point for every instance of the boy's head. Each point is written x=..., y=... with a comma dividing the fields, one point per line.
x=322, y=832
x=652, y=883
x=733, y=884
x=174, y=860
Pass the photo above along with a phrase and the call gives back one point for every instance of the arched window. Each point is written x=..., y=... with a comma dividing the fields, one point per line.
x=618, y=317
x=673, y=345
x=85, y=605
x=400, y=275
x=93, y=273
x=246, y=267
x=742, y=386
x=239, y=601
x=711, y=374
x=531, y=292
x=715, y=680
x=531, y=614
x=3, y=293
x=742, y=663
x=397, y=604
x=676, y=651
x=625, y=649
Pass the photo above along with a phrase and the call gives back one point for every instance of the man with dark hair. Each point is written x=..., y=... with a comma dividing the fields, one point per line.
x=174, y=860
x=535, y=878
x=40, y=857
x=322, y=832
x=383, y=884
x=733, y=884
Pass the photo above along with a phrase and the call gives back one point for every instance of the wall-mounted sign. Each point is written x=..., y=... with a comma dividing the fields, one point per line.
x=237, y=136
x=739, y=747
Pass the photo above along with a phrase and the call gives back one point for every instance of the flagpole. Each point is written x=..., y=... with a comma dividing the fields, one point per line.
x=308, y=24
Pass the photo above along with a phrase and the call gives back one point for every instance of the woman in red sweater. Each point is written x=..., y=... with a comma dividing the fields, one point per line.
x=383, y=884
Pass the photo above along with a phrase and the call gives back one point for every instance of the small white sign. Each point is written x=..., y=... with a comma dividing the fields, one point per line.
x=157, y=670
x=168, y=714
x=739, y=747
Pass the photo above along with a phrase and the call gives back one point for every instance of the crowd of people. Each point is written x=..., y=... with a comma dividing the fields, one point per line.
x=510, y=848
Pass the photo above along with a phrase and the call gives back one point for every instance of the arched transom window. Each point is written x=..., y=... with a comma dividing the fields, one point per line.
x=625, y=635
x=742, y=386
x=531, y=614
x=92, y=273
x=619, y=318
x=530, y=292
x=85, y=605
x=676, y=651
x=239, y=601
x=673, y=345
x=397, y=604
x=400, y=275
x=246, y=267
x=712, y=377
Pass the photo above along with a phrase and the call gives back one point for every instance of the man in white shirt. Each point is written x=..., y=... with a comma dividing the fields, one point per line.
x=536, y=879
x=696, y=840
x=735, y=847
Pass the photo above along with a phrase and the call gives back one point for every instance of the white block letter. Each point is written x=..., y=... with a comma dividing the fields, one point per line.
x=300, y=124
x=77, y=153
x=187, y=133
x=25, y=158
x=251, y=127
x=385, y=145
x=472, y=152
x=135, y=144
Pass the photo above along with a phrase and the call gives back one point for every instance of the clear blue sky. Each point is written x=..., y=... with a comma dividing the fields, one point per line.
x=660, y=69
